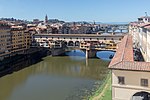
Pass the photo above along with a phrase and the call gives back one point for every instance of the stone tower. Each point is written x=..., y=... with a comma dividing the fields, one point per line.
x=46, y=19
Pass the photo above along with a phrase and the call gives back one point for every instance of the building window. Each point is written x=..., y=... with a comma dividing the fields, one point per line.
x=144, y=82
x=121, y=80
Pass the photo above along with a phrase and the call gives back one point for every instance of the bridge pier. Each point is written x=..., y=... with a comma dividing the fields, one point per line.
x=90, y=53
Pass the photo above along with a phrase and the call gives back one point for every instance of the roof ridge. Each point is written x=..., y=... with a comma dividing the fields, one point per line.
x=126, y=39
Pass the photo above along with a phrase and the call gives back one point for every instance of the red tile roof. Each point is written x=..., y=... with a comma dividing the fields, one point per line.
x=147, y=27
x=135, y=66
x=124, y=60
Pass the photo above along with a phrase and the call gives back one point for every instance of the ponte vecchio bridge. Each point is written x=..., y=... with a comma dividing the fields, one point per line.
x=89, y=43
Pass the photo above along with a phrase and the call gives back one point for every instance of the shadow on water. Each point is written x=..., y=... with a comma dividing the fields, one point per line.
x=19, y=62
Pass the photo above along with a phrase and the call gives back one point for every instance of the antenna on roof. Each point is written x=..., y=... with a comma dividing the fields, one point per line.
x=146, y=13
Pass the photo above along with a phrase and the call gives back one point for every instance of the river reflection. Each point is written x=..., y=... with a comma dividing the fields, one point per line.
x=54, y=78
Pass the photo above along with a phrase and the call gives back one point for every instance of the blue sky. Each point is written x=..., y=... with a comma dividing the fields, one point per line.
x=76, y=10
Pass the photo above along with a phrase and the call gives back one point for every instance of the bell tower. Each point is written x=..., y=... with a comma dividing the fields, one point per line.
x=46, y=19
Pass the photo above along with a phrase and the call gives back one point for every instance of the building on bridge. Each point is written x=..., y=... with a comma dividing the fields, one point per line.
x=74, y=39
x=130, y=79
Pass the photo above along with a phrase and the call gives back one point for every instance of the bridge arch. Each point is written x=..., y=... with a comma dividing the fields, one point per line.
x=141, y=96
x=105, y=54
x=77, y=43
x=65, y=42
x=70, y=43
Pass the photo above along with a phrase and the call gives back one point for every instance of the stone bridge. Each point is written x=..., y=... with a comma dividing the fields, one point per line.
x=89, y=43
x=74, y=39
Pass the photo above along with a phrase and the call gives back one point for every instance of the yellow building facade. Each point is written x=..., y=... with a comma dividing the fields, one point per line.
x=20, y=40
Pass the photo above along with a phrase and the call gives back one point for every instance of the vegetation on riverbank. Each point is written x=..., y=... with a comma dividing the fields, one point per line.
x=104, y=91
x=107, y=93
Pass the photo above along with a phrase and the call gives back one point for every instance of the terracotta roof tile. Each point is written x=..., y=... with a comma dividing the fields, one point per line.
x=136, y=66
x=124, y=60
x=147, y=27
x=124, y=51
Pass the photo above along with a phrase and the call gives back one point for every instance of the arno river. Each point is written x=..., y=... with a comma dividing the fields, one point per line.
x=55, y=78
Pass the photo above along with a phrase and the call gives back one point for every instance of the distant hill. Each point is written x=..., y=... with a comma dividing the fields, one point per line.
x=116, y=23
x=110, y=22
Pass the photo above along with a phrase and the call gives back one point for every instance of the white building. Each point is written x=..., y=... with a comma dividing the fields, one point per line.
x=140, y=32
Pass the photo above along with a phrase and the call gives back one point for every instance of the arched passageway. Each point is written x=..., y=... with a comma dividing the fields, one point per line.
x=141, y=96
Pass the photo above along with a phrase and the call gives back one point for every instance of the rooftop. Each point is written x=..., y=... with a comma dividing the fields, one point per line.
x=124, y=59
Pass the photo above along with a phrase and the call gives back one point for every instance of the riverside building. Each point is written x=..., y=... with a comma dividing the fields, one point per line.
x=130, y=79
x=140, y=30
x=20, y=40
x=5, y=40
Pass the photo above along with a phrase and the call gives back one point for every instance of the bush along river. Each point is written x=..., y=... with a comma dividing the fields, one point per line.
x=70, y=77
